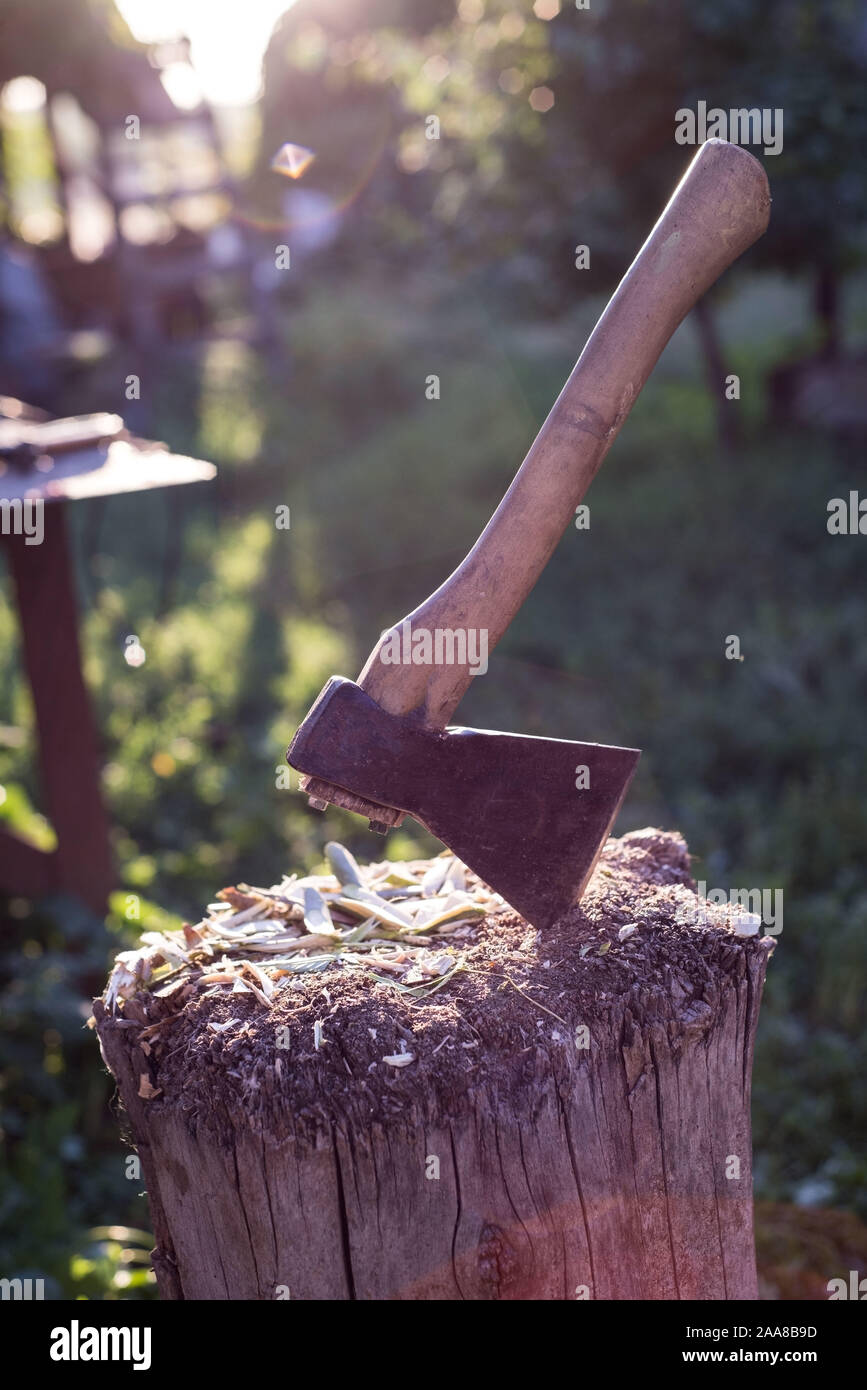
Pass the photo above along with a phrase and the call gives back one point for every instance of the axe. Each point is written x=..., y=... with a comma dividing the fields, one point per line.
x=528, y=815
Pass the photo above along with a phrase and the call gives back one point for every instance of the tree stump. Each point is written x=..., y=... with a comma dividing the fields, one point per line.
x=574, y=1123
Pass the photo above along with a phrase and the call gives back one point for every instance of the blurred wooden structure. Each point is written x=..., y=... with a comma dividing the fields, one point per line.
x=136, y=195
x=49, y=463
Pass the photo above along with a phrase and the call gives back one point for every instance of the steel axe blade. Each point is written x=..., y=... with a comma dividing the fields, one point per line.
x=528, y=815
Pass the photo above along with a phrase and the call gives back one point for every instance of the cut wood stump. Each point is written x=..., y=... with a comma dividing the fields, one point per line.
x=574, y=1122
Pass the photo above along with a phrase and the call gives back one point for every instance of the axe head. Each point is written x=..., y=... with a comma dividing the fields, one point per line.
x=528, y=815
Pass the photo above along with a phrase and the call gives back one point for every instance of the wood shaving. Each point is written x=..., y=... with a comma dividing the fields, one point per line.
x=389, y=922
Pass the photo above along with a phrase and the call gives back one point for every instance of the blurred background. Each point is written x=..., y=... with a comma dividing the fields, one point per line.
x=151, y=249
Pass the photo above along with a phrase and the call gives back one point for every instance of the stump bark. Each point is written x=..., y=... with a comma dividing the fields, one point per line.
x=575, y=1122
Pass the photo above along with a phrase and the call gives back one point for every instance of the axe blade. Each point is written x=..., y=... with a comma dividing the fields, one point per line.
x=528, y=815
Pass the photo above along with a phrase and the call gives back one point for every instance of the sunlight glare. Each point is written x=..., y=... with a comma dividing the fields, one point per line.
x=292, y=160
x=23, y=94
x=227, y=40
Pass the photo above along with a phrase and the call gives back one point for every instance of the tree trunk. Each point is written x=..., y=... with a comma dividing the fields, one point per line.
x=727, y=422
x=599, y=1147
x=827, y=306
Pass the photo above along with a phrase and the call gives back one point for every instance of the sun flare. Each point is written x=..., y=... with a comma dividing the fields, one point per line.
x=227, y=42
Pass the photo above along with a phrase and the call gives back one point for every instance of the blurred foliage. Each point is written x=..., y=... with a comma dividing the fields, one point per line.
x=61, y=1166
x=454, y=258
x=358, y=83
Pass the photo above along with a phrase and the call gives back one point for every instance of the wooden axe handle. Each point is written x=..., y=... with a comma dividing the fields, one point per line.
x=720, y=207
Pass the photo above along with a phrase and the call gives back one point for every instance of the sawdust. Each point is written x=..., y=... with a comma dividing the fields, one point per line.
x=334, y=1044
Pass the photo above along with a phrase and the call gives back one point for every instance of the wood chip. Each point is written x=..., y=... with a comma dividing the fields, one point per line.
x=385, y=920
